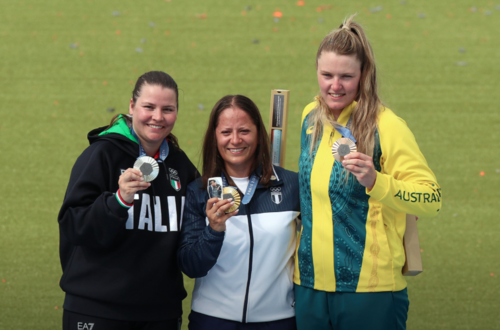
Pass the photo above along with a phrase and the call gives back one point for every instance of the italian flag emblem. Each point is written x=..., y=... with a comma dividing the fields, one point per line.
x=174, y=179
x=176, y=184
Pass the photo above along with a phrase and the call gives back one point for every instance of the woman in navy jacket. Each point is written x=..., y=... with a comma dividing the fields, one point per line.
x=242, y=260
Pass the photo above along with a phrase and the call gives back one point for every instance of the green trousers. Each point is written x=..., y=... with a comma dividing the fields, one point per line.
x=320, y=310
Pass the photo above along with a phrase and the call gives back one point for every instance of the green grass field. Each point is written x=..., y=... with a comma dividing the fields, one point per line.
x=64, y=63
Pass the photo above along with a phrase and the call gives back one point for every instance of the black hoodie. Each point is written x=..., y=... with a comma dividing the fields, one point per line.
x=120, y=263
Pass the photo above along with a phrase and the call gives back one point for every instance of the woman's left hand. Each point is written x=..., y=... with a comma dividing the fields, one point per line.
x=361, y=166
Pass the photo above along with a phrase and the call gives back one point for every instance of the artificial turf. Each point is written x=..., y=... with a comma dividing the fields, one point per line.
x=65, y=64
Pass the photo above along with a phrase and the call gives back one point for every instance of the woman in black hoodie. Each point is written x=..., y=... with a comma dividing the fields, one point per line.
x=119, y=233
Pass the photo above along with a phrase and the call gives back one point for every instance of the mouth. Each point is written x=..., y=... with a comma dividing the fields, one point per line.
x=155, y=126
x=235, y=150
x=336, y=95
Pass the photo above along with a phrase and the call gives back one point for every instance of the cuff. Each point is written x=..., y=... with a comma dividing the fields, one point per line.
x=213, y=234
x=121, y=201
x=380, y=188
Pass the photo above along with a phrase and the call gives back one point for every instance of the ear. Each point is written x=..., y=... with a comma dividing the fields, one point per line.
x=131, y=107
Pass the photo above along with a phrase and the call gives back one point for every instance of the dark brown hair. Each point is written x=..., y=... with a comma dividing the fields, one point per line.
x=213, y=163
x=153, y=78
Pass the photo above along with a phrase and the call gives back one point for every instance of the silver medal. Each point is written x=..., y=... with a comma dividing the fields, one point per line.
x=148, y=166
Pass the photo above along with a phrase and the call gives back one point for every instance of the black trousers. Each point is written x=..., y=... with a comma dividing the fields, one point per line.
x=75, y=321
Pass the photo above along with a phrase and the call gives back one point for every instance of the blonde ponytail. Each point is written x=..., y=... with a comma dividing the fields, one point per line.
x=350, y=39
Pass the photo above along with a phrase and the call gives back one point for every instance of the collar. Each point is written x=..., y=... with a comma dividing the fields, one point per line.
x=346, y=114
x=162, y=152
x=275, y=179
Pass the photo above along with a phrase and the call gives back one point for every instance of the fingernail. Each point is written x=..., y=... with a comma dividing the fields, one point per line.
x=232, y=203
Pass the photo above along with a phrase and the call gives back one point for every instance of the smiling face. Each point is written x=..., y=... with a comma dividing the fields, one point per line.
x=153, y=116
x=338, y=79
x=236, y=136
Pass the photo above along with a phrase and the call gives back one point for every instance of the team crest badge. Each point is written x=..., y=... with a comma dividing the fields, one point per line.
x=174, y=179
x=276, y=195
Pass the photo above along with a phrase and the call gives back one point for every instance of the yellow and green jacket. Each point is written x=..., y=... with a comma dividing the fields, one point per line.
x=352, y=238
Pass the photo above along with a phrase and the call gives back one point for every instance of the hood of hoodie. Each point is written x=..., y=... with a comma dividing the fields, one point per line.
x=119, y=134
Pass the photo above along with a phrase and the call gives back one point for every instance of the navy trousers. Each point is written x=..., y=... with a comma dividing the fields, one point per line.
x=198, y=321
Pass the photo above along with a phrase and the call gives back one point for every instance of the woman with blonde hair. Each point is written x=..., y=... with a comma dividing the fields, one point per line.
x=361, y=172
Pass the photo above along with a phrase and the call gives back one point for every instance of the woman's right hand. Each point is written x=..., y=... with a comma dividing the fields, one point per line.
x=216, y=213
x=130, y=182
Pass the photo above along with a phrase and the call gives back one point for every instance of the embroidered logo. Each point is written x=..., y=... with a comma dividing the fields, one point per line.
x=85, y=326
x=174, y=179
x=276, y=195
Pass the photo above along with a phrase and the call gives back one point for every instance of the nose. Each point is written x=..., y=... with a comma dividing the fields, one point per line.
x=336, y=84
x=157, y=115
x=235, y=138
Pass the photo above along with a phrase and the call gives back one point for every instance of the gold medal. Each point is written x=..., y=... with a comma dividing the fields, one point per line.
x=342, y=147
x=230, y=192
x=148, y=166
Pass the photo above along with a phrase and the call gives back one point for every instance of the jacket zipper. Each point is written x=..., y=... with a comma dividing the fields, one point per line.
x=250, y=260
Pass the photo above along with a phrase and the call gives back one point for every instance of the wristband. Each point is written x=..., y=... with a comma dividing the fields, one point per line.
x=121, y=201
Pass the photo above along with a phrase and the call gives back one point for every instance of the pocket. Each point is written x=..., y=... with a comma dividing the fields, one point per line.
x=381, y=274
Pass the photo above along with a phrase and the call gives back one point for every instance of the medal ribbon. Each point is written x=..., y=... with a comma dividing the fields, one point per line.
x=345, y=131
x=252, y=185
x=164, y=149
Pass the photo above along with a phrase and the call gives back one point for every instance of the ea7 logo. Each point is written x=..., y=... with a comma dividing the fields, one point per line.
x=85, y=326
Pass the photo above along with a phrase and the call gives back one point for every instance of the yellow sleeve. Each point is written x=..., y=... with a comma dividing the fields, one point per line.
x=405, y=182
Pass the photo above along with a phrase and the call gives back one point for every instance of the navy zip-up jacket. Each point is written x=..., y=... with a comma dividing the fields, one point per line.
x=245, y=273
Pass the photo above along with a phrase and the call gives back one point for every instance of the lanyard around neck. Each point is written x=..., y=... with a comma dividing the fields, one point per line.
x=345, y=131
x=164, y=149
x=252, y=185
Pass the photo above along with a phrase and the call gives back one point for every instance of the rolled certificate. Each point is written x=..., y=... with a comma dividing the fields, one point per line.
x=413, y=265
x=278, y=125
x=276, y=146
